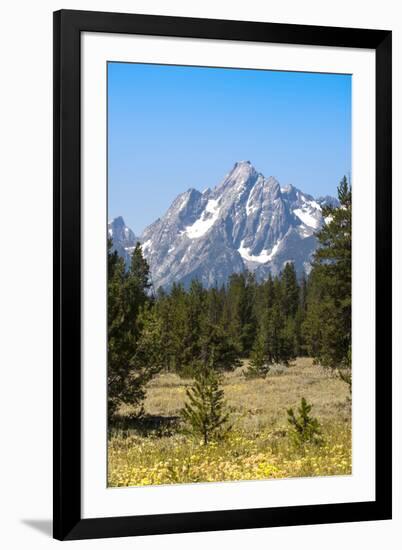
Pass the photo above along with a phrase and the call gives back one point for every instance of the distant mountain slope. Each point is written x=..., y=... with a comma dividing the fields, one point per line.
x=247, y=221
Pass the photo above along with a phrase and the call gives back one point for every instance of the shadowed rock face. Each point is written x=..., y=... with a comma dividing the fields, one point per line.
x=246, y=222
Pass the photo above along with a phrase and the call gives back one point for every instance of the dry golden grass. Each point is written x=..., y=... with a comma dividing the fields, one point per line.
x=258, y=445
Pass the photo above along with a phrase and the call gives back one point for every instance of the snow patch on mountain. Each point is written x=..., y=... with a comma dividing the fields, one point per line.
x=145, y=246
x=263, y=257
x=304, y=231
x=205, y=222
x=306, y=217
x=315, y=204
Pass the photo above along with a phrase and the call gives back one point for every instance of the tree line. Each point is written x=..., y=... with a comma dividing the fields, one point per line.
x=191, y=330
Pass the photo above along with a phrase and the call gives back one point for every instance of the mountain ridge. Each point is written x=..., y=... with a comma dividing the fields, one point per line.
x=247, y=221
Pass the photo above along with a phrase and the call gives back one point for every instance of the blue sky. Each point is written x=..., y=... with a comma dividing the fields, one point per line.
x=171, y=128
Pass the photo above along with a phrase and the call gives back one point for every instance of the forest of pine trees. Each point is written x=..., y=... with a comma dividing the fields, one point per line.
x=268, y=322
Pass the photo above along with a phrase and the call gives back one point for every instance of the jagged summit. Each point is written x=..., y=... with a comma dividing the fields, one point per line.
x=241, y=173
x=246, y=222
x=118, y=222
x=122, y=236
x=243, y=165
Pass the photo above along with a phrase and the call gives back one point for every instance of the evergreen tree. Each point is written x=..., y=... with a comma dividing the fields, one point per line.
x=280, y=345
x=274, y=343
x=204, y=411
x=164, y=311
x=195, y=313
x=303, y=294
x=217, y=349
x=214, y=301
x=240, y=311
x=299, y=319
x=136, y=288
x=133, y=331
x=298, y=339
x=259, y=364
x=117, y=350
x=249, y=324
x=304, y=428
x=290, y=290
x=178, y=329
x=327, y=325
x=139, y=270
x=288, y=341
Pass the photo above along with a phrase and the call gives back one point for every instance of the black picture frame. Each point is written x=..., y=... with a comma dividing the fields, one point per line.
x=68, y=26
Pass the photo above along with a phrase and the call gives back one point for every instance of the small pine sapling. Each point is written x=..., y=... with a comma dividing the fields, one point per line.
x=204, y=411
x=259, y=365
x=303, y=427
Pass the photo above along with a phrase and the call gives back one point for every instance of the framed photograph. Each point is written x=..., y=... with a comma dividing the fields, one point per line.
x=222, y=307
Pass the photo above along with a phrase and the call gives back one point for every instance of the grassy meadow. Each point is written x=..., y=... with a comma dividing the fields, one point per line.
x=153, y=450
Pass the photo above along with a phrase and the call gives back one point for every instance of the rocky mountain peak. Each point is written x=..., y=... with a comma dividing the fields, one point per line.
x=242, y=174
x=246, y=222
x=122, y=236
x=117, y=223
